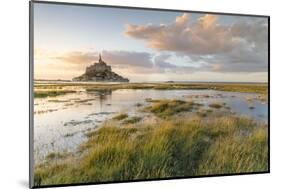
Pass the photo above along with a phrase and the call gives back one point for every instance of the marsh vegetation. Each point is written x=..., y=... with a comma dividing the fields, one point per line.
x=50, y=93
x=232, y=87
x=171, y=148
x=150, y=131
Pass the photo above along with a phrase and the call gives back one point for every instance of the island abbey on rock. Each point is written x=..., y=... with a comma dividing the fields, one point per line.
x=100, y=72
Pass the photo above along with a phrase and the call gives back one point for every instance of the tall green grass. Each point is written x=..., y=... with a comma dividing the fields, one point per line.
x=168, y=108
x=51, y=93
x=170, y=148
x=120, y=116
x=261, y=88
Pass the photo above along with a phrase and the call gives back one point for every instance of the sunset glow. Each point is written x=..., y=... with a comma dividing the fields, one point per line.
x=147, y=45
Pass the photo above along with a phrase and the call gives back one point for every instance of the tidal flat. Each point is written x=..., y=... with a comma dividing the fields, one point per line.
x=98, y=132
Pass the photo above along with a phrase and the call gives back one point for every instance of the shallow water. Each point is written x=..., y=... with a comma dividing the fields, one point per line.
x=60, y=123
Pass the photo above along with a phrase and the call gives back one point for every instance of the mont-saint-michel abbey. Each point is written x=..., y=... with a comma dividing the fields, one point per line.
x=100, y=72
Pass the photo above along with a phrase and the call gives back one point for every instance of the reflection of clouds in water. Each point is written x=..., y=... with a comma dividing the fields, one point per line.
x=50, y=132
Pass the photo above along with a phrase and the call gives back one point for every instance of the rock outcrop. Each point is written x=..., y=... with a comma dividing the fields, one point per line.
x=100, y=72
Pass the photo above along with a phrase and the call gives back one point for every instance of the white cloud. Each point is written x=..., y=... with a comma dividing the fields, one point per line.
x=241, y=46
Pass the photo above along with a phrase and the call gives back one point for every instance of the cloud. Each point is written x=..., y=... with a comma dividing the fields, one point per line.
x=204, y=36
x=117, y=59
x=128, y=58
x=77, y=57
x=237, y=47
x=152, y=67
x=124, y=61
x=162, y=62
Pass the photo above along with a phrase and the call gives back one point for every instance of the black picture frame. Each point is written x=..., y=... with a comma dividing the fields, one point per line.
x=31, y=84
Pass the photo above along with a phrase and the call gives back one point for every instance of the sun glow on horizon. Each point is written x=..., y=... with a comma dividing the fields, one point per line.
x=150, y=46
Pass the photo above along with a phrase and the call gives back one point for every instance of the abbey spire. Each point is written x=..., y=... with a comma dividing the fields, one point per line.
x=100, y=60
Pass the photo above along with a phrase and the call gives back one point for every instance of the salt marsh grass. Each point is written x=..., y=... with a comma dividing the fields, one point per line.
x=120, y=116
x=172, y=148
x=252, y=88
x=215, y=105
x=51, y=93
x=167, y=108
x=172, y=136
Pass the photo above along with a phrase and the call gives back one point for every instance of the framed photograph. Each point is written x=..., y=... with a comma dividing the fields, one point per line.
x=125, y=94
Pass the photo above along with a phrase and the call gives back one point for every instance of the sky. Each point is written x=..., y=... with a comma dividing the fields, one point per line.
x=149, y=45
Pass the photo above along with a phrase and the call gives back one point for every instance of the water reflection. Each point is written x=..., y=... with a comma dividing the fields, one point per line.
x=103, y=96
x=77, y=113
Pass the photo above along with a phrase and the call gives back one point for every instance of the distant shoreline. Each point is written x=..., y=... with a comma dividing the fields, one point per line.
x=60, y=87
x=143, y=82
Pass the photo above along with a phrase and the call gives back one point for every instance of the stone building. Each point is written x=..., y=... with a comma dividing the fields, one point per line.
x=98, y=67
x=100, y=72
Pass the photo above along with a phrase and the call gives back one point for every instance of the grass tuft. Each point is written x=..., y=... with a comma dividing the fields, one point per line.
x=167, y=108
x=170, y=148
x=120, y=116
x=51, y=93
x=132, y=120
x=215, y=105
